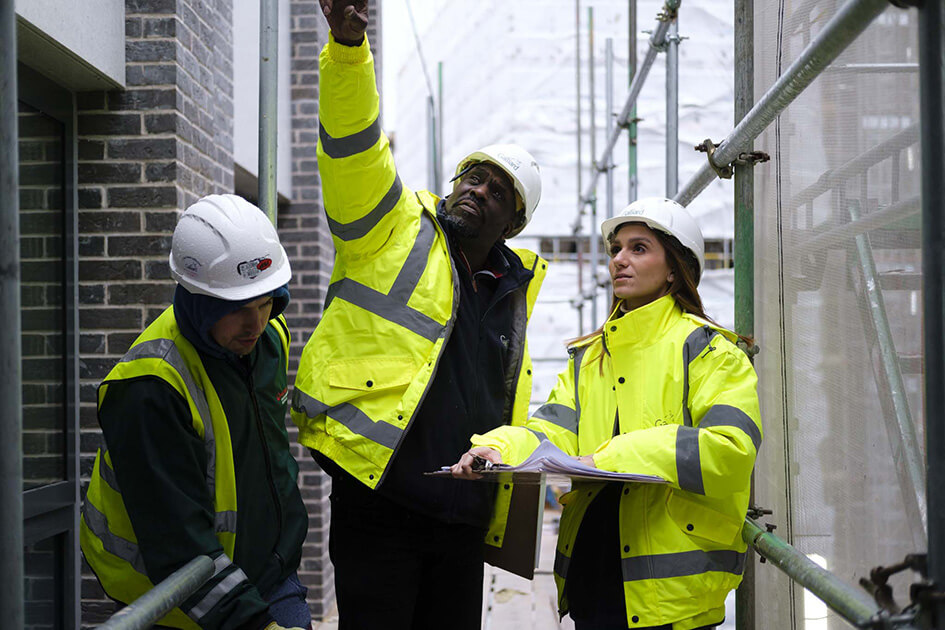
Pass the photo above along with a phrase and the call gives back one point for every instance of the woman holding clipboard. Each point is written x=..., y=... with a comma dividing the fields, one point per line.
x=658, y=389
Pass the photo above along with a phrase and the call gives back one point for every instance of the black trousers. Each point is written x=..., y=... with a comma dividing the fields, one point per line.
x=399, y=570
x=597, y=626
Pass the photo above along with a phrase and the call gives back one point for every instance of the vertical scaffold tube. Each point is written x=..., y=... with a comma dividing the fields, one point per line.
x=631, y=120
x=672, y=109
x=11, y=462
x=268, y=104
x=591, y=198
x=932, y=116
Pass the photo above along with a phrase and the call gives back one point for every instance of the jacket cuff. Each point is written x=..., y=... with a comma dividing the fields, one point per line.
x=348, y=54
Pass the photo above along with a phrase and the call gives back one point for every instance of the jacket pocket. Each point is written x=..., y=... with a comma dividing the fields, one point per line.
x=697, y=519
x=369, y=374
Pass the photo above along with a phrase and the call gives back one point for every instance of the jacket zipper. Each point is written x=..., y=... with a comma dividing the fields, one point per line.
x=446, y=338
x=265, y=449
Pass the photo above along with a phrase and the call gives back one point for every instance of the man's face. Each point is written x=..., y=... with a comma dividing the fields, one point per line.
x=238, y=331
x=482, y=205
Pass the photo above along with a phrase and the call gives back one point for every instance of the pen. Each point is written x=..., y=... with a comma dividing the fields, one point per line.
x=481, y=463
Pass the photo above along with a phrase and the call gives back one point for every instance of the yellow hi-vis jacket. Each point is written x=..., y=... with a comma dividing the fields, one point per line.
x=684, y=400
x=393, y=296
x=107, y=537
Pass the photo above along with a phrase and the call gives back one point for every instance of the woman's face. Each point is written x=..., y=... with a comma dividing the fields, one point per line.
x=638, y=268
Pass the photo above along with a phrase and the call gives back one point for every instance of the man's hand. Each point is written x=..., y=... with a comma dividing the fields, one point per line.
x=587, y=460
x=463, y=469
x=347, y=19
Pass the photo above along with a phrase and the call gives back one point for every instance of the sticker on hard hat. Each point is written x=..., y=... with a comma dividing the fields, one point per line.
x=511, y=161
x=191, y=265
x=249, y=269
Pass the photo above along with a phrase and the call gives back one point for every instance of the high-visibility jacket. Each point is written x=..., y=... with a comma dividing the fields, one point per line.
x=674, y=397
x=394, y=291
x=107, y=535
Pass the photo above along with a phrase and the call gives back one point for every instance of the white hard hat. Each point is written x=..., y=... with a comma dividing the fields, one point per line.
x=226, y=247
x=664, y=215
x=520, y=166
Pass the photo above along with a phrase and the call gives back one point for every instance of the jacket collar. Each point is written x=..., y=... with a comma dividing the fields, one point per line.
x=642, y=326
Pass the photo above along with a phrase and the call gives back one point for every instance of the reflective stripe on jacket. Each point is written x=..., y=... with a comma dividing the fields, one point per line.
x=108, y=538
x=675, y=398
x=393, y=296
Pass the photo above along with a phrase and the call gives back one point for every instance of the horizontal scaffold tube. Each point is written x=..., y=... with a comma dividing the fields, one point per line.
x=657, y=43
x=842, y=29
x=145, y=611
x=853, y=605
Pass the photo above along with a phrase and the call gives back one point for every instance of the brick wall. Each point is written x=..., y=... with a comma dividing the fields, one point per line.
x=144, y=153
x=304, y=233
x=148, y=151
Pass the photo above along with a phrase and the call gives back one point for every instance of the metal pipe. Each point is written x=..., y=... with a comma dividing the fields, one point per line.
x=609, y=95
x=932, y=115
x=874, y=68
x=840, y=236
x=432, y=178
x=577, y=80
x=853, y=605
x=889, y=147
x=633, y=184
x=841, y=30
x=11, y=412
x=163, y=598
x=672, y=109
x=268, y=104
x=657, y=42
x=439, y=126
x=903, y=441
x=744, y=85
x=595, y=167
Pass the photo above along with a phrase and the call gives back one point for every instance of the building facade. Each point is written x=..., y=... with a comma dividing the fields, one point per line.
x=130, y=110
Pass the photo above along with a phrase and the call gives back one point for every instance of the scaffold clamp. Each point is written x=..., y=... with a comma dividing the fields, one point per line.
x=726, y=171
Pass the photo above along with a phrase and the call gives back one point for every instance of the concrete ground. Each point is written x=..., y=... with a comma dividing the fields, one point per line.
x=511, y=602
x=514, y=603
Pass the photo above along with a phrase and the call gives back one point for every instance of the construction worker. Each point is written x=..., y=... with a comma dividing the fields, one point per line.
x=422, y=339
x=659, y=389
x=196, y=458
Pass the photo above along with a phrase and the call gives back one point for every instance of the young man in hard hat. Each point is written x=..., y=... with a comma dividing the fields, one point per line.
x=422, y=344
x=196, y=458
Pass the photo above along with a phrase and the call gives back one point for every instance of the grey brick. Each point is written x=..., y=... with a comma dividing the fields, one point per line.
x=139, y=245
x=150, y=6
x=89, y=197
x=160, y=123
x=143, y=149
x=160, y=27
x=109, y=172
x=132, y=28
x=150, y=50
x=91, y=245
x=163, y=74
x=143, y=99
x=160, y=221
x=91, y=343
x=157, y=270
x=161, y=172
x=109, y=270
x=118, y=343
x=142, y=197
x=110, y=318
x=109, y=222
x=109, y=124
x=92, y=294
x=91, y=149
x=146, y=293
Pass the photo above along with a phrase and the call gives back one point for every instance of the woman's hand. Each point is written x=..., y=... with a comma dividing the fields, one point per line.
x=587, y=460
x=347, y=19
x=463, y=469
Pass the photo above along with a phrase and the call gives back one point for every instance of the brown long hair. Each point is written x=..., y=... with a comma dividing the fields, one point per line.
x=684, y=289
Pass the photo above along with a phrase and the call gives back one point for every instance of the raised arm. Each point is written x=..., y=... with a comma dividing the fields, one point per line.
x=360, y=187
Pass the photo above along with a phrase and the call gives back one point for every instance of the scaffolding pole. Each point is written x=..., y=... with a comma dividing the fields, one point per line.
x=657, y=44
x=268, y=104
x=595, y=168
x=838, y=33
x=744, y=255
x=609, y=179
x=11, y=438
x=672, y=109
x=932, y=116
x=633, y=185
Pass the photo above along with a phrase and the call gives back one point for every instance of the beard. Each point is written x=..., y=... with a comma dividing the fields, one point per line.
x=458, y=226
